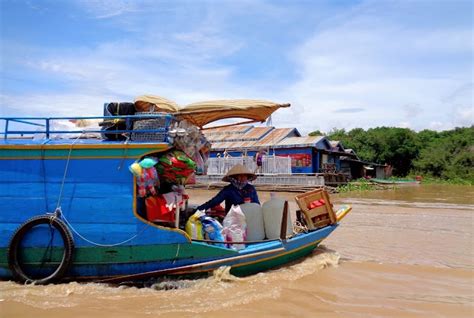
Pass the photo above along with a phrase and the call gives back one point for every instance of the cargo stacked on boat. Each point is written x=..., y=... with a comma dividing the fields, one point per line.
x=317, y=209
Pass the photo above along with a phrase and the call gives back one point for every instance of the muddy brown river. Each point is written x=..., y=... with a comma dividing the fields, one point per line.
x=405, y=252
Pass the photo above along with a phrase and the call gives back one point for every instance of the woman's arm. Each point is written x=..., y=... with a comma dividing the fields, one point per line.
x=214, y=201
x=254, y=196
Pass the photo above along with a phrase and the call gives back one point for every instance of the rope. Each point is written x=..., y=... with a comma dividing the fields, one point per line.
x=299, y=228
x=125, y=152
x=177, y=253
x=58, y=210
x=103, y=245
x=65, y=171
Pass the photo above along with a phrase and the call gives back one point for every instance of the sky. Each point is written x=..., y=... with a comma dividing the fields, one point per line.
x=340, y=64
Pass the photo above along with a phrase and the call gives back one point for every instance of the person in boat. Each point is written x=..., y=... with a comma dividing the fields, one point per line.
x=239, y=190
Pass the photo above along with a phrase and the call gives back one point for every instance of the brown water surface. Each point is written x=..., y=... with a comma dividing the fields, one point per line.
x=405, y=252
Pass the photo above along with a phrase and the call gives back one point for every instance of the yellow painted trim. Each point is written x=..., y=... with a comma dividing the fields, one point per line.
x=343, y=213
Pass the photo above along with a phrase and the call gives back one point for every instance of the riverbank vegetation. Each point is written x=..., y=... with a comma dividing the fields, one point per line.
x=446, y=156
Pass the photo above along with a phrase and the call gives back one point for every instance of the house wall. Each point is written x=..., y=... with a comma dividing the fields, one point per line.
x=316, y=160
x=301, y=158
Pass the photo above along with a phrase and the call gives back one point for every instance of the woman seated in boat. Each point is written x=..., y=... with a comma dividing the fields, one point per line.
x=239, y=190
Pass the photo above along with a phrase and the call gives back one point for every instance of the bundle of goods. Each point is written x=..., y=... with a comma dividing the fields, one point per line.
x=147, y=176
x=116, y=124
x=192, y=141
x=175, y=167
x=200, y=226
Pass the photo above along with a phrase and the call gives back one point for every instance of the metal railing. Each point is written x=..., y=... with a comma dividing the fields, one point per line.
x=62, y=127
x=272, y=165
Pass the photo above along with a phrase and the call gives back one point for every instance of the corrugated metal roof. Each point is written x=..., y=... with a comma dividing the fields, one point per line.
x=227, y=130
x=256, y=133
x=337, y=145
x=229, y=145
x=269, y=140
x=275, y=136
x=250, y=133
x=306, y=141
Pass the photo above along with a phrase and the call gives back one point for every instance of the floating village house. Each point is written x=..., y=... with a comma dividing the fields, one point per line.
x=308, y=154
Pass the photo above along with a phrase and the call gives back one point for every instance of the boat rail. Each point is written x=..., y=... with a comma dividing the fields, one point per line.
x=155, y=124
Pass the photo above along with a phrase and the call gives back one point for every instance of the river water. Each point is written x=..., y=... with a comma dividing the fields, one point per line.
x=405, y=252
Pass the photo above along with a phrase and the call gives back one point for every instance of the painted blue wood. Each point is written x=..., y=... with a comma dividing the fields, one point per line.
x=97, y=198
x=52, y=170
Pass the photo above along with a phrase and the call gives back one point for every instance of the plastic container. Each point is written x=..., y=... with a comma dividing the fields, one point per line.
x=272, y=211
x=254, y=217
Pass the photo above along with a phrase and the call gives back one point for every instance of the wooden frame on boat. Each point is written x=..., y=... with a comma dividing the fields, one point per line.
x=318, y=216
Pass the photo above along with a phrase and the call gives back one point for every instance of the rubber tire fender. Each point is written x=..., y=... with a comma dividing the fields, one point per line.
x=14, y=248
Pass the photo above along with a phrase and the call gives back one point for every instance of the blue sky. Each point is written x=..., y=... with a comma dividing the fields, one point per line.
x=341, y=64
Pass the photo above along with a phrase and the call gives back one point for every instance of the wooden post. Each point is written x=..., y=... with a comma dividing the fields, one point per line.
x=176, y=216
x=284, y=221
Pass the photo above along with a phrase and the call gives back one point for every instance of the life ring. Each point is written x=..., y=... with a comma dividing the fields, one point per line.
x=14, y=262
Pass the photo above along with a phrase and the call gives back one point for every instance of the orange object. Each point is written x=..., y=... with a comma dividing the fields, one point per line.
x=156, y=210
x=316, y=203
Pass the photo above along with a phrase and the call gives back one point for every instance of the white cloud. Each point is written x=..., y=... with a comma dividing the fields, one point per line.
x=372, y=63
x=363, y=67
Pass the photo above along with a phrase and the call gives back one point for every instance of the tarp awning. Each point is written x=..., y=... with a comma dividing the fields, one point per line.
x=161, y=104
x=203, y=113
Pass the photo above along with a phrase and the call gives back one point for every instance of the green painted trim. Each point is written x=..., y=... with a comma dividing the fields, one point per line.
x=125, y=254
x=268, y=263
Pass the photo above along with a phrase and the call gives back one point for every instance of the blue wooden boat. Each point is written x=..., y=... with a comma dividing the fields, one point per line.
x=69, y=211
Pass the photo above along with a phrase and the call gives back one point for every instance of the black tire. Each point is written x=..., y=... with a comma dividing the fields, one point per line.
x=14, y=264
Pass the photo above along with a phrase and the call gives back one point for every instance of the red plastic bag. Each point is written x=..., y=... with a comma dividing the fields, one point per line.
x=157, y=211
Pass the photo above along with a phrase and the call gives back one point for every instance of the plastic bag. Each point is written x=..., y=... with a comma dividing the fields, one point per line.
x=235, y=227
x=212, y=229
x=194, y=226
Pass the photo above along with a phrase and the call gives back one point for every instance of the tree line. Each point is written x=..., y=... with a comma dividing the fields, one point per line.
x=447, y=155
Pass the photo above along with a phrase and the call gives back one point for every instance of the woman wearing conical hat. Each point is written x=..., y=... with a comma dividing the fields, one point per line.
x=239, y=191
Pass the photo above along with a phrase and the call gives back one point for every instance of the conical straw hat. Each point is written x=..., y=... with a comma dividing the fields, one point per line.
x=239, y=169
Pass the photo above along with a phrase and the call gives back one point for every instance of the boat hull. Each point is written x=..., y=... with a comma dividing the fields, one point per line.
x=97, y=263
x=91, y=191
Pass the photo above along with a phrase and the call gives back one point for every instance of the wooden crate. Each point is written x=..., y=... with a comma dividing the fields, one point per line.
x=316, y=217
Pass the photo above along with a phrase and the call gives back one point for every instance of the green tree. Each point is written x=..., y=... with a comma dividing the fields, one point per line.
x=316, y=133
x=449, y=156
